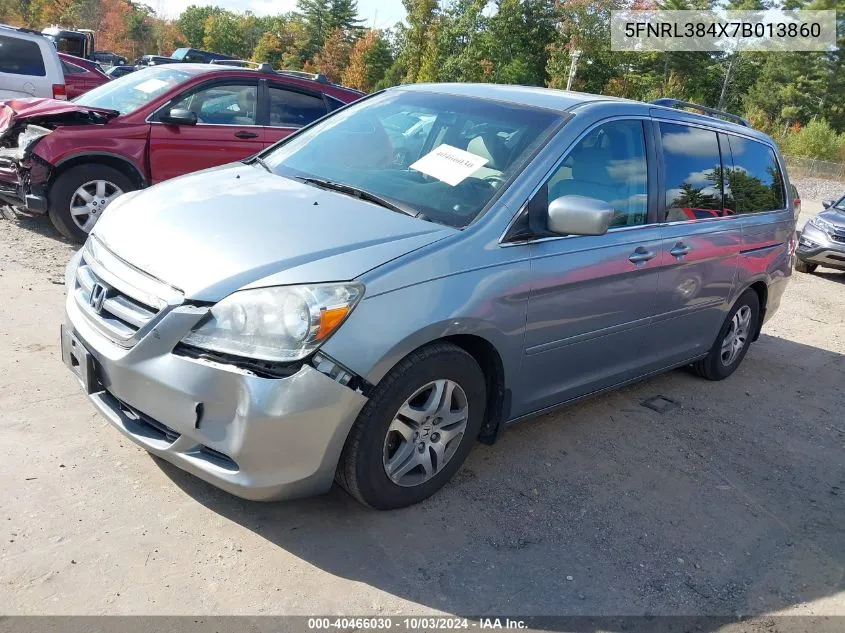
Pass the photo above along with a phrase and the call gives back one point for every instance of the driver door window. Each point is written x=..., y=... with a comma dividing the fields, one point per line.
x=608, y=164
x=222, y=104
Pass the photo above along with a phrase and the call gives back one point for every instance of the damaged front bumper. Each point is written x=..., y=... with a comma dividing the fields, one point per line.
x=23, y=181
x=256, y=437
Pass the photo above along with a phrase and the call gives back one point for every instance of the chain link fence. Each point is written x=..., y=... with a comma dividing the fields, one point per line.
x=814, y=168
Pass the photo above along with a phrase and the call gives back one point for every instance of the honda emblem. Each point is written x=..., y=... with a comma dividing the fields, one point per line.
x=98, y=296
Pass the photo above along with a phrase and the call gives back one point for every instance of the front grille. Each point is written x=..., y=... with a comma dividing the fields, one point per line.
x=837, y=237
x=119, y=300
x=119, y=313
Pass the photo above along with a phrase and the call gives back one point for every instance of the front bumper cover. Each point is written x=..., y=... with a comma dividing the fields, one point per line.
x=257, y=438
x=817, y=247
x=23, y=182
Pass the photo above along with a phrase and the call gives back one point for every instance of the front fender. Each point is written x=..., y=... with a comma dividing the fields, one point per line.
x=489, y=303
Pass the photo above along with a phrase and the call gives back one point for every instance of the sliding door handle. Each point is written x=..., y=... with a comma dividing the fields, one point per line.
x=245, y=134
x=641, y=255
x=679, y=250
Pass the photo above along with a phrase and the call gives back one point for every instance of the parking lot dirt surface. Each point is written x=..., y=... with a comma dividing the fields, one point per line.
x=732, y=501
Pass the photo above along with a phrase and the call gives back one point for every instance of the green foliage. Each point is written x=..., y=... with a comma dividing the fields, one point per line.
x=816, y=140
x=192, y=23
x=797, y=97
x=422, y=16
x=222, y=34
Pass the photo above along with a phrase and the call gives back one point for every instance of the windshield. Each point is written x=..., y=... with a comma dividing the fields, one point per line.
x=840, y=204
x=130, y=92
x=441, y=156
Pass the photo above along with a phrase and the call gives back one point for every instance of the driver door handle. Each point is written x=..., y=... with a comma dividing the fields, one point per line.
x=245, y=134
x=641, y=255
x=679, y=250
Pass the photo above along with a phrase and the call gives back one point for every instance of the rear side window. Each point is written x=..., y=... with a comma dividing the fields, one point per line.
x=693, y=168
x=754, y=181
x=20, y=57
x=294, y=109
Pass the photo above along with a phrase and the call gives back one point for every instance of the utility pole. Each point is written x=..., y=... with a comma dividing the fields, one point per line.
x=725, y=82
x=573, y=67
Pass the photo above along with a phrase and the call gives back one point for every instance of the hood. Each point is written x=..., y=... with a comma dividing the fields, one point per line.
x=49, y=113
x=215, y=231
x=834, y=216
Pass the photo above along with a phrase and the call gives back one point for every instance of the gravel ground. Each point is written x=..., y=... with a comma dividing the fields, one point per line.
x=730, y=503
x=819, y=189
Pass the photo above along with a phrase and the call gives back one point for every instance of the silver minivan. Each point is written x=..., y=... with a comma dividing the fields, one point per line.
x=29, y=65
x=342, y=308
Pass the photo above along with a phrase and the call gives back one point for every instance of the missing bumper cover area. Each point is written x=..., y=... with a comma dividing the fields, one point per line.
x=261, y=368
x=266, y=369
x=160, y=430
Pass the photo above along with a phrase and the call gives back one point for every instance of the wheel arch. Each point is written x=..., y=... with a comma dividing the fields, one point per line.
x=760, y=286
x=485, y=352
x=115, y=161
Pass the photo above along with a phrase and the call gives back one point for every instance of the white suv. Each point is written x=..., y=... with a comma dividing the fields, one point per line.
x=29, y=65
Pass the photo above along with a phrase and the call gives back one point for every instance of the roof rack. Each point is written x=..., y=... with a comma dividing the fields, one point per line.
x=318, y=77
x=676, y=103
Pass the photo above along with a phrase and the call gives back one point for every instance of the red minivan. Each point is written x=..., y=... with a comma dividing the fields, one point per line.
x=71, y=159
x=81, y=75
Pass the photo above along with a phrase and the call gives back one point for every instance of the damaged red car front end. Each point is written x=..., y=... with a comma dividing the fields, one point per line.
x=24, y=176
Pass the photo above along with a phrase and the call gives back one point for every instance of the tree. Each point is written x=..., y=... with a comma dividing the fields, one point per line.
x=222, y=34
x=422, y=14
x=251, y=29
x=269, y=49
x=168, y=37
x=521, y=32
x=584, y=25
x=192, y=23
x=369, y=60
x=343, y=14
x=333, y=57
x=315, y=17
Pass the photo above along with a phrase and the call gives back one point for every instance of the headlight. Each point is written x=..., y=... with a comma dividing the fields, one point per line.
x=276, y=324
x=820, y=224
x=31, y=134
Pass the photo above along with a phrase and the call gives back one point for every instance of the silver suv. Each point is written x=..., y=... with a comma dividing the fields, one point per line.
x=336, y=309
x=822, y=241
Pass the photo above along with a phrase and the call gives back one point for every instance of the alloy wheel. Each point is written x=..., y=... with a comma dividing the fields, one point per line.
x=90, y=200
x=425, y=433
x=736, y=335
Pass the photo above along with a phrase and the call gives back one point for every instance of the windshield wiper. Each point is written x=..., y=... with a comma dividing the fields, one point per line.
x=260, y=161
x=361, y=194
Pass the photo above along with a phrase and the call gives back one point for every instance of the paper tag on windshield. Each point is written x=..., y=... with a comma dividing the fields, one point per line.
x=150, y=85
x=449, y=164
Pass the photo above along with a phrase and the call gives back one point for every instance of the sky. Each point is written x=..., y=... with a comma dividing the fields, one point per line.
x=378, y=13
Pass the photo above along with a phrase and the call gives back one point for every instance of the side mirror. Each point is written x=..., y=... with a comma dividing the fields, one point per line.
x=827, y=204
x=579, y=215
x=179, y=116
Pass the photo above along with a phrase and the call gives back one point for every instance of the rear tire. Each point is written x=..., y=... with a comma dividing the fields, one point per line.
x=733, y=340
x=375, y=446
x=804, y=267
x=68, y=189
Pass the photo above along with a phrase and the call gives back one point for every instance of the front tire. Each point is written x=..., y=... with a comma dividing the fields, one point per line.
x=733, y=340
x=804, y=267
x=80, y=195
x=416, y=430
